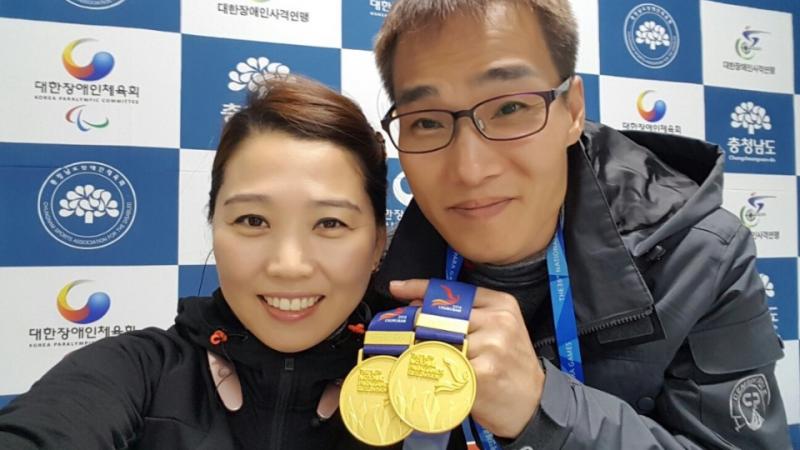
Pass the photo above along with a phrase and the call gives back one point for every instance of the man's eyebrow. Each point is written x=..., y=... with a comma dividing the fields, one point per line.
x=416, y=93
x=505, y=73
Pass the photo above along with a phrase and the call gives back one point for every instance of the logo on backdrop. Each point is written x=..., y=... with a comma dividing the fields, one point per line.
x=96, y=306
x=87, y=205
x=251, y=75
x=769, y=291
x=747, y=44
x=87, y=89
x=750, y=117
x=96, y=4
x=753, y=212
x=749, y=400
x=399, y=196
x=747, y=47
x=380, y=8
x=401, y=190
x=652, y=117
x=656, y=113
x=98, y=68
x=83, y=330
x=257, y=12
x=651, y=35
x=75, y=115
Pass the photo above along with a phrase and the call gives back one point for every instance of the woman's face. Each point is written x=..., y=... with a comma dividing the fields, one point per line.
x=295, y=238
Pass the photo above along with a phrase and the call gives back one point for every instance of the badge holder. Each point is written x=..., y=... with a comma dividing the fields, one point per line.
x=364, y=399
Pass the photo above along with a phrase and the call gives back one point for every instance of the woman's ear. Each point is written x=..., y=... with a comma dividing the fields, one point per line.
x=380, y=246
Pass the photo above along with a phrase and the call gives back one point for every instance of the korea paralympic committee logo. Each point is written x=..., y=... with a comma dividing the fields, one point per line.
x=96, y=4
x=87, y=205
x=100, y=66
x=654, y=114
x=651, y=35
x=96, y=306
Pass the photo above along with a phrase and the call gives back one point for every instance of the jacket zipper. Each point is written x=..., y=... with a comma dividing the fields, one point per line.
x=282, y=404
x=601, y=326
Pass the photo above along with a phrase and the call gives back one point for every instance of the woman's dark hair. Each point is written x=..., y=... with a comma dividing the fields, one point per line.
x=306, y=109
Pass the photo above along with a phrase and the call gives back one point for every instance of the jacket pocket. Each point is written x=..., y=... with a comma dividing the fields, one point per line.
x=736, y=348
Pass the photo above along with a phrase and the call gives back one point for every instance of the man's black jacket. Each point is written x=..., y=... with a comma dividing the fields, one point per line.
x=677, y=341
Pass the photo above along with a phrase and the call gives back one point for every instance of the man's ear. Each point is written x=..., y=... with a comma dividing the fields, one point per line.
x=576, y=106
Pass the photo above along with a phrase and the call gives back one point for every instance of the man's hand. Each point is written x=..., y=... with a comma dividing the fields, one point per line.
x=509, y=377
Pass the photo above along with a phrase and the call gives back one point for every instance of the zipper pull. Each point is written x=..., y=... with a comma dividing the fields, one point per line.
x=288, y=364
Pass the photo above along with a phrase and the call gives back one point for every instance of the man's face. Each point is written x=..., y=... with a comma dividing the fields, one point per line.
x=494, y=201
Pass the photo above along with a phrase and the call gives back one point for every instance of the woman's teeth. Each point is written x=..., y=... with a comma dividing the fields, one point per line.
x=291, y=304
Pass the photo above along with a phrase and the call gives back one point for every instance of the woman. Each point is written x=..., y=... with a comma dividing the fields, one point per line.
x=297, y=207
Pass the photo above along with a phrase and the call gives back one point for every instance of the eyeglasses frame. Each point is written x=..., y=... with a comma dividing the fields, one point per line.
x=549, y=97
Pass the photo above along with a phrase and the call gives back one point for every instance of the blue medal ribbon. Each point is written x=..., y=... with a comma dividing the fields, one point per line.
x=444, y=317
x=564, y=322
x=566, y=327
x=397, y=321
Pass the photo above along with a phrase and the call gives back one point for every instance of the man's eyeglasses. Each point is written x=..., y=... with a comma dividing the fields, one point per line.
x=504, y=118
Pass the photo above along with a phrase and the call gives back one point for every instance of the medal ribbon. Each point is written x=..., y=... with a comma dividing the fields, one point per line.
x=390, y=332
x=444, y=317
x=564, y=321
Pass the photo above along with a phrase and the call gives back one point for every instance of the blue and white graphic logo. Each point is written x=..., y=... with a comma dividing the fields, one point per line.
x=253, y=72
x=96, y=4
x=87, y=205
x=651, y=35
x=754, y=128
x=251, y=75
x=218, y=74
x=361, y=20
x=779, y=277
x=399, y=195
x=750, y=117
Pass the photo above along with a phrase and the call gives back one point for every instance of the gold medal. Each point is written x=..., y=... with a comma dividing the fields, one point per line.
x=432, y=387
x=364, y=403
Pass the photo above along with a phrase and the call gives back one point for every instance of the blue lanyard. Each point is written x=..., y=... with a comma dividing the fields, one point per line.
x=564, y=322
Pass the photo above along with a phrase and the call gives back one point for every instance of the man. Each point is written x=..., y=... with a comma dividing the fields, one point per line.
x=677, y=342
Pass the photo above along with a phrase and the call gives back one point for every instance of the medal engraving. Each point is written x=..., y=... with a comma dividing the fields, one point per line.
x=432, y=387
x=365, y=407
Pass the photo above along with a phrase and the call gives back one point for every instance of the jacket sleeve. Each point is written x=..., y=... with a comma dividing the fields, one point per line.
x=94, y=398
x=720, y=389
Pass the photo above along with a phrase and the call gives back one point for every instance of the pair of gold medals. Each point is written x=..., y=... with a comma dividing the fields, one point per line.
x=429, y=388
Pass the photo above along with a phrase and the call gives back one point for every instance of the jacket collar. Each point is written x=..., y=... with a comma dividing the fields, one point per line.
x=200, y=317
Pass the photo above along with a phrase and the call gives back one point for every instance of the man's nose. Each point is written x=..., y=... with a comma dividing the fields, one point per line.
x=473, y=158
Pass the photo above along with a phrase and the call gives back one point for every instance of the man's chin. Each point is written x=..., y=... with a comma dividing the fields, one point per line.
x=479, y=251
